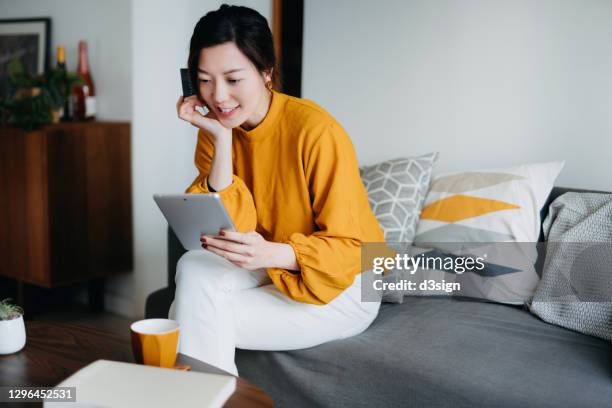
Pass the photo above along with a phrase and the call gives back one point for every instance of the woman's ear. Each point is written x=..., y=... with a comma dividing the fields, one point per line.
x=267, y=74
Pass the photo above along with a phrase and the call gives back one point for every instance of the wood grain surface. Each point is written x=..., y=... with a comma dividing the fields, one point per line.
x=54, y=351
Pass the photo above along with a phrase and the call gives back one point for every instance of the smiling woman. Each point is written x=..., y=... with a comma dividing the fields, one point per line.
x=237, y=93
x=286, y=171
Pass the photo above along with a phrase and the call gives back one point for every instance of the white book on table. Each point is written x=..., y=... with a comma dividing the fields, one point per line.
x=105, y=383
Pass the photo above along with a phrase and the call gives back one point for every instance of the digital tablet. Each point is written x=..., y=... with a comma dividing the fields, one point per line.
x=191, y=215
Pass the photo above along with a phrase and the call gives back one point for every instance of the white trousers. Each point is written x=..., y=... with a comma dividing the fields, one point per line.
x=221, y=306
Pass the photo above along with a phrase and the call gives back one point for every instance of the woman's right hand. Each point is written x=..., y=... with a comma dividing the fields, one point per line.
x=185, y=107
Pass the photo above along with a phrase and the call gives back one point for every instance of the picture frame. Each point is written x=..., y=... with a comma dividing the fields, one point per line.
x=27, y=38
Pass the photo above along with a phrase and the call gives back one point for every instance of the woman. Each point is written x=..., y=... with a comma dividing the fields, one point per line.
x=286, y=171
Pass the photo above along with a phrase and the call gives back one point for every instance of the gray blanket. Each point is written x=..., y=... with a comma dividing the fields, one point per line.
x=576, y=287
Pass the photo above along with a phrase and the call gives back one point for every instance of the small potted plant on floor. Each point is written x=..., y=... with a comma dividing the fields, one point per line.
x=12, y=329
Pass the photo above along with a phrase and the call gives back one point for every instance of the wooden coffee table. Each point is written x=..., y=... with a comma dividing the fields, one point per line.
x=55, y=351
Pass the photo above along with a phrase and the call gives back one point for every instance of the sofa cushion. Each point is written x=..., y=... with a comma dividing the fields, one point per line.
x=491, y=214
x=396, y=192
x=576, y=286
x=441, y=352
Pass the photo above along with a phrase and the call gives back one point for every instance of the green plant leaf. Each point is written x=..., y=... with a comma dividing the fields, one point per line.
x=31, y=112
x=9, y=311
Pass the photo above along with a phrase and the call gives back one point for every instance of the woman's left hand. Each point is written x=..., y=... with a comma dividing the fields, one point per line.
x=249, y=250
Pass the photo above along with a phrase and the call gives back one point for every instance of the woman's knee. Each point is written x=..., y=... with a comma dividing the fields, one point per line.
x=185, y=268
x=196, y=270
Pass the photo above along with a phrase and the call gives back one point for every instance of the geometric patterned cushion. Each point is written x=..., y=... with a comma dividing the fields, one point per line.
x=495, y=213
x=396, y=192
x=576, y=287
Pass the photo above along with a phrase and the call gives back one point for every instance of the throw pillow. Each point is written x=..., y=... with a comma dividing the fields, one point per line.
x=576, y=287
x=396, y=192
x=488, y=214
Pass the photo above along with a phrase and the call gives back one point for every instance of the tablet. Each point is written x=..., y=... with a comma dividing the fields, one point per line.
x=191, y=215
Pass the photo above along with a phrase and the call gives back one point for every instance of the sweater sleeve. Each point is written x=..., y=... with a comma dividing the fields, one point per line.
x=236, y=198
x=330, y=257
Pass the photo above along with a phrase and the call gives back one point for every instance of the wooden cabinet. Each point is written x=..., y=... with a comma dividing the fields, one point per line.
x=65, y=203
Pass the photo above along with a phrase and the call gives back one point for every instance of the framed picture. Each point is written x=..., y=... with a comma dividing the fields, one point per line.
x=27, y=39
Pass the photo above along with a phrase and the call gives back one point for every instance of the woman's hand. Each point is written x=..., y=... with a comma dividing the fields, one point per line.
x=249, y=250
x=185, y=107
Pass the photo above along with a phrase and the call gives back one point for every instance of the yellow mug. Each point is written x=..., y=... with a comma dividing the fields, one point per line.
x=155, y=342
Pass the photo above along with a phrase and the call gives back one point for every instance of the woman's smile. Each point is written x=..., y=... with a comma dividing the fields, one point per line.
x=227, y=112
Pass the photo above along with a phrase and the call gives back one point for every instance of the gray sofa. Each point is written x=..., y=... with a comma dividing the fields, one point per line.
x=433, y=352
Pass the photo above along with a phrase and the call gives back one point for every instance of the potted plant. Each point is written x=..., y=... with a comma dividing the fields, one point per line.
x=12, y=328
x=35, y=100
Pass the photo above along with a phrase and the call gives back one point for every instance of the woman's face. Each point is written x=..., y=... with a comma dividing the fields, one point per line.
x=231, y=86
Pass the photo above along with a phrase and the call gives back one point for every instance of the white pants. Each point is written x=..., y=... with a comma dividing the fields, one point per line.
x=221, y=306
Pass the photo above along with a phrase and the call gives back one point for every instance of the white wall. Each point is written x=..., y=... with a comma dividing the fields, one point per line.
x=106, y=26
x=486, y=83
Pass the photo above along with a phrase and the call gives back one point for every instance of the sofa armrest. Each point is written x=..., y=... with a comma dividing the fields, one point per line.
x=175, y=251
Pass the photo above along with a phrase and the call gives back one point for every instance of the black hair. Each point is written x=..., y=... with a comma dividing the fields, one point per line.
x=244, y=27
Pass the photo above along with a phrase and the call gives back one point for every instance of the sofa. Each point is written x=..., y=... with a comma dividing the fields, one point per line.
x=433, y=352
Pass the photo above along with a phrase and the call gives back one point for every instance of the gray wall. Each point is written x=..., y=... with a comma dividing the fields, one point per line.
x=487, y=83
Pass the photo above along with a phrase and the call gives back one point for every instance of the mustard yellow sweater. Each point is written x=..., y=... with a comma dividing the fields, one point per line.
x=296, y=180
